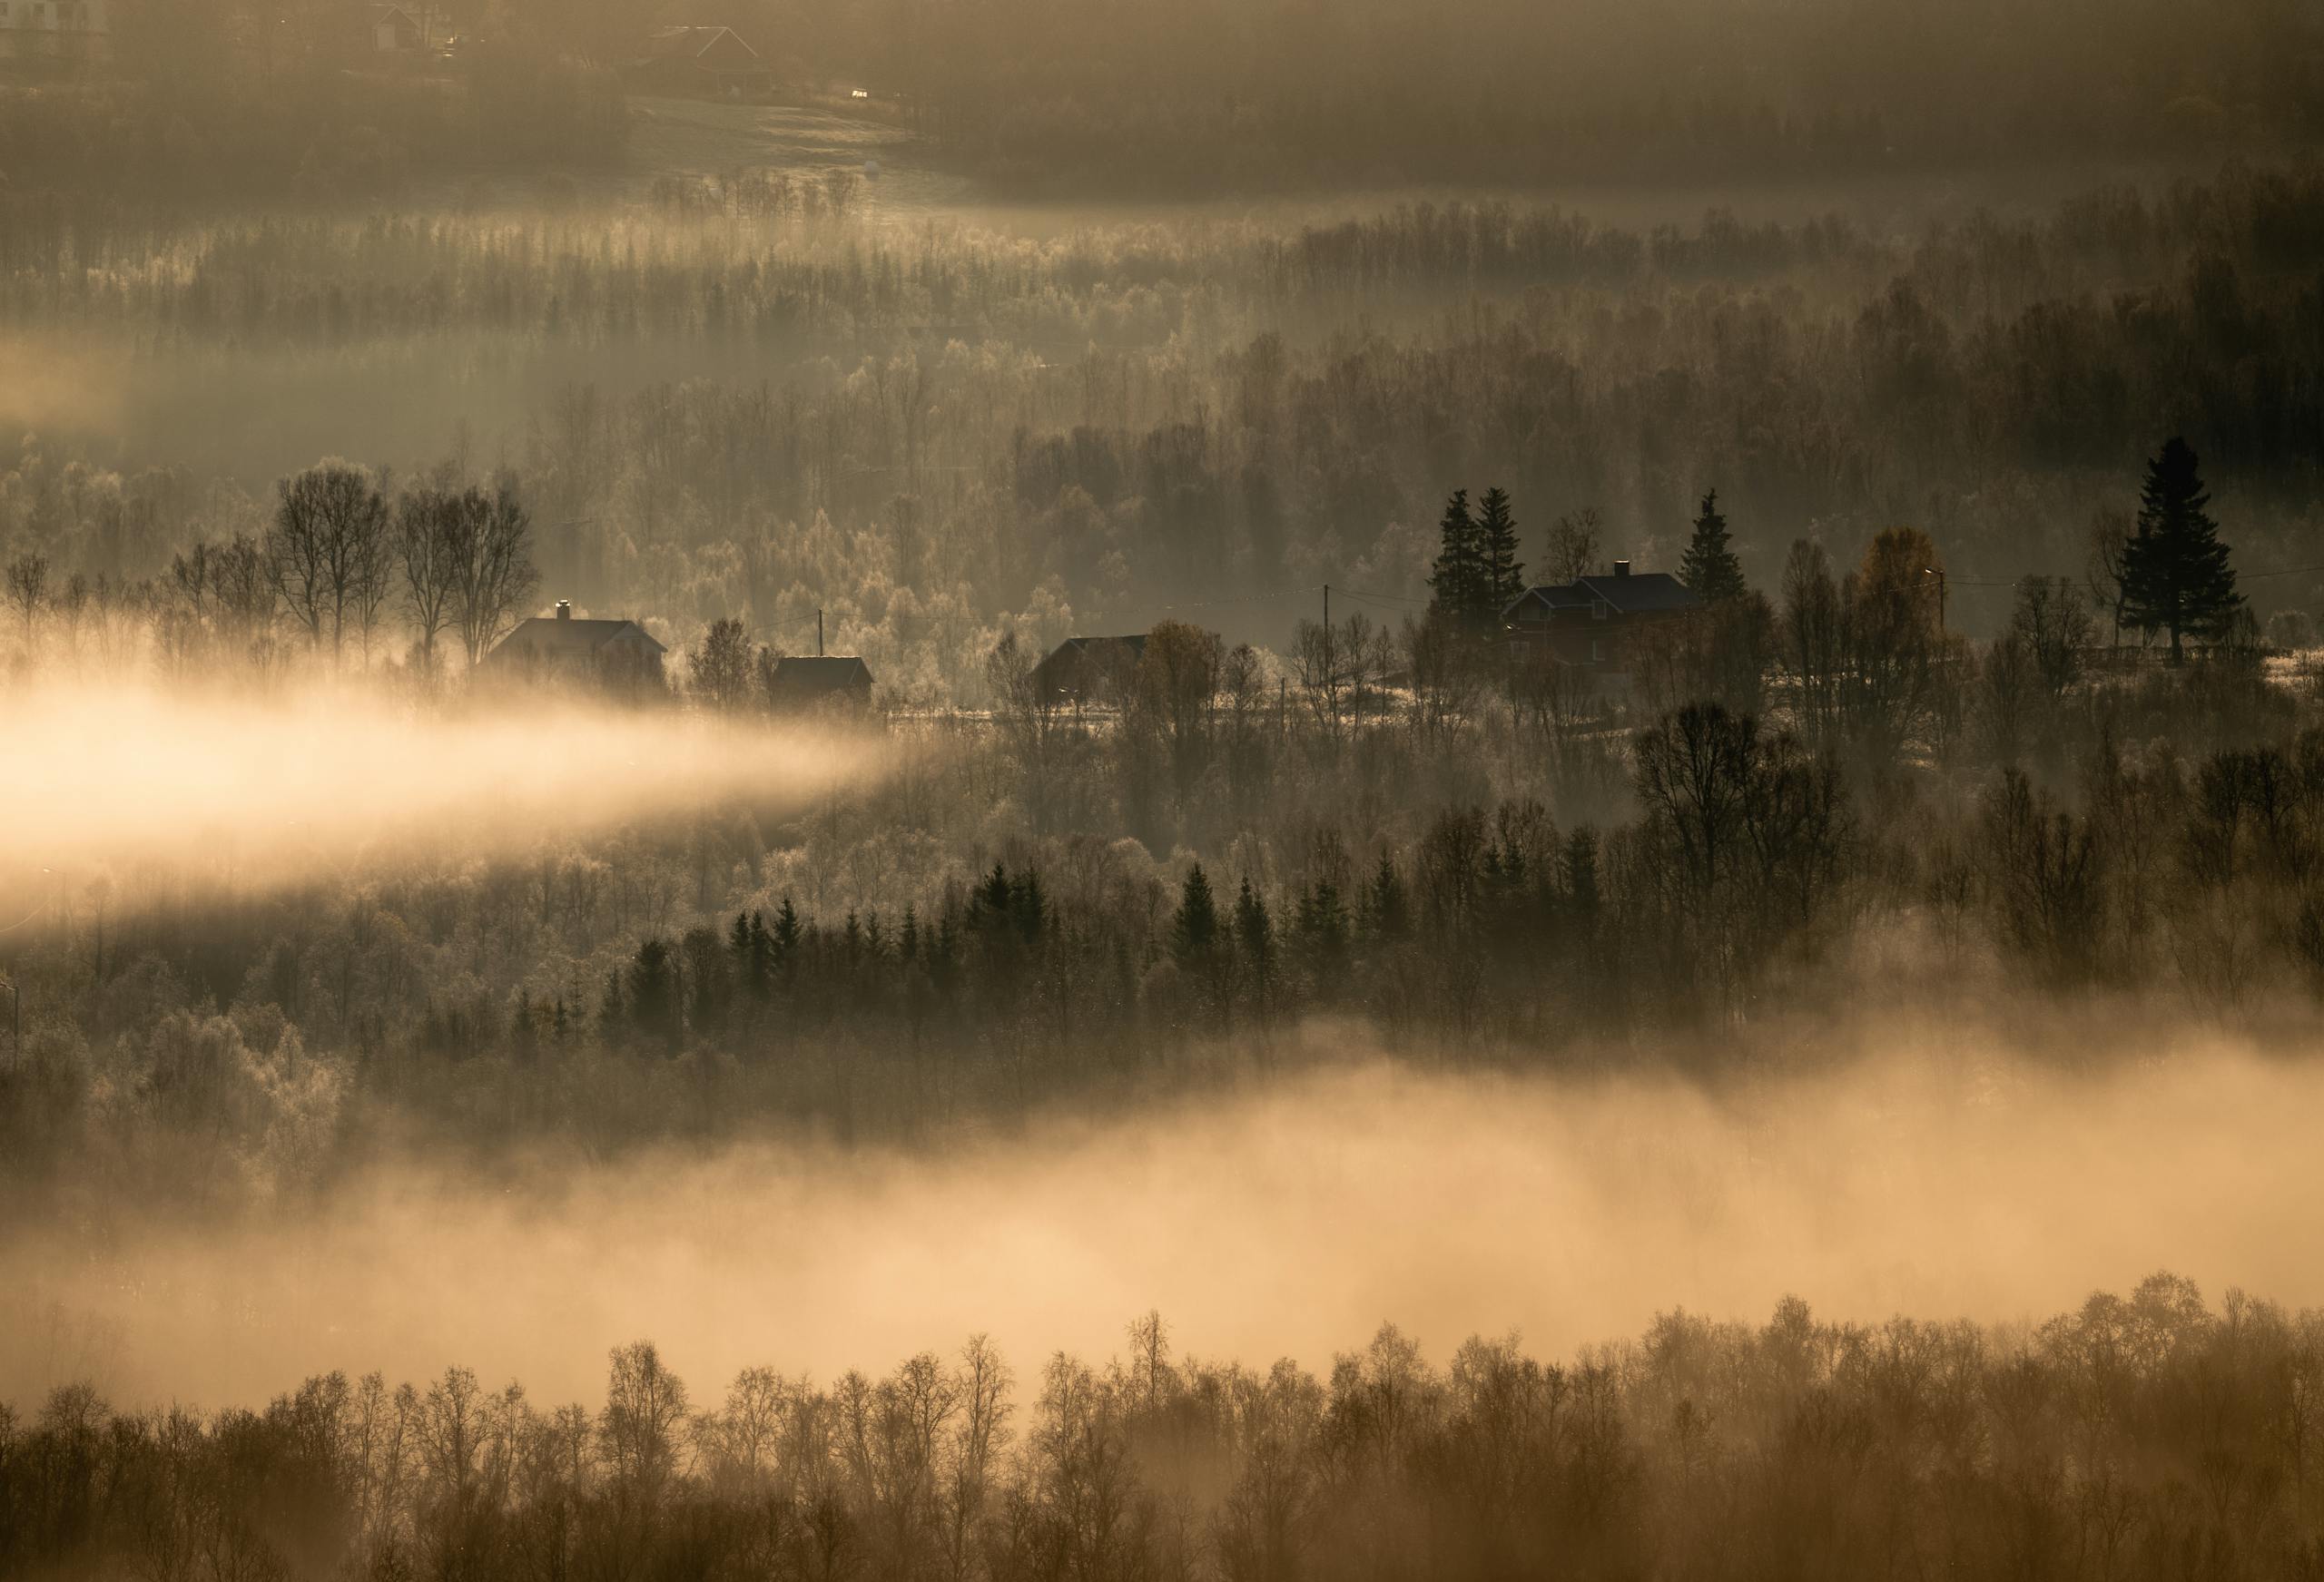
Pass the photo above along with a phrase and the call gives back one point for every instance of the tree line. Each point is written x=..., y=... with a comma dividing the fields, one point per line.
x=347, y=557
x=1065, y=470
x=2119, y=1437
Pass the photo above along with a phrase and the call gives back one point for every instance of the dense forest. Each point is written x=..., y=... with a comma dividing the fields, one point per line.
x=2140, y=1436
x=778, y=406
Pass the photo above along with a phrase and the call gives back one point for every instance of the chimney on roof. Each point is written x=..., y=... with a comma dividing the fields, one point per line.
x=564, y=609
x=1621, y=568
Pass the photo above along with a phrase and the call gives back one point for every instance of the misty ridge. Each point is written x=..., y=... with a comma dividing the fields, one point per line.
x=707, y=694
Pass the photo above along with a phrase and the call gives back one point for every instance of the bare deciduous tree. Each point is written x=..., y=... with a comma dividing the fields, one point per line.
x=327, y=554
x=496, y=574
x=28, y=589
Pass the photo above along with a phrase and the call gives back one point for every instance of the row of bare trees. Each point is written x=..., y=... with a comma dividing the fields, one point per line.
x=346, y=555
x=2113, y=1440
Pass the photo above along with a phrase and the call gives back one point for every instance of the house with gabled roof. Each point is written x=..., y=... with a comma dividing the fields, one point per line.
x=613, y=654
x=808, y=683
x=1088, y=669
x=1588, y=622
x=697, y=60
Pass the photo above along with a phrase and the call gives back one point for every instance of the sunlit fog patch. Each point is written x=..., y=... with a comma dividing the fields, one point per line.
x=256, y=790
x=1288, y=1218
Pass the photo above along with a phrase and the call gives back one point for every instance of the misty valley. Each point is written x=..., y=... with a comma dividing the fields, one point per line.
x=987, y=789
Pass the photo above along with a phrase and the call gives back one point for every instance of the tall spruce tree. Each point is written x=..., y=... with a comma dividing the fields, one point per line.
x=1459, y=580
x=2175, y=573
x=1710, y=569
x=1503, y=575
x=1193, y=928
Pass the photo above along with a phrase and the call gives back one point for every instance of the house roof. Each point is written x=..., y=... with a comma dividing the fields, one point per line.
x=691, y=43
x=822, y=674
x=1640, y=592
x=546, y=637
x=1134, y=642
x=1555, y=595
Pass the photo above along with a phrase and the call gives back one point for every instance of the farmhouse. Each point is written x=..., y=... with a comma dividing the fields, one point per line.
x=1088, y=669
x=697, y=60
x=1588, y=622
x=833, y=683
x=613, y=654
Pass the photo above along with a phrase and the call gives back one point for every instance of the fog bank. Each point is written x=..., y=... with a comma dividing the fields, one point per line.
x=1289, y=1218
x=254, y=790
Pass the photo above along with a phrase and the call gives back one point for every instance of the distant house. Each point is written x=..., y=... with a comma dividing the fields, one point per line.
x=613, y=654
x=813, y=682
x=1090, y=670
x=697, y=60
x=63, y=33
x=1587, y=623
x=395, y=30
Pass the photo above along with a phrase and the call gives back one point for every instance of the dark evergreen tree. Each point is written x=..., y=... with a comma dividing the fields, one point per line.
x=994, y=894
x=1503, y=575
x=1710, y=569
x=1029, y=905
x=1460, y=579
x=1255, y=940
x=1321, y=925
x=2175, y=573
x=653, y=989
x=785, y=935
x=1386, y=913
x=1193, y=928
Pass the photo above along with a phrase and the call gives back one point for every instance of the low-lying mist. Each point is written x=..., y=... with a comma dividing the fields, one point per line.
x=1937, y=1173
x=251, y=790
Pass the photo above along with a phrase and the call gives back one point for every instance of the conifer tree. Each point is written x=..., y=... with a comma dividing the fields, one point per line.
x=1194, y=929
x=1387, y=914
x=1503, y=573
x=1323, y=928
x=1711, y=569
x=652, y=988
x=2175, y=573
x=1254, y=937
x=1459, y=578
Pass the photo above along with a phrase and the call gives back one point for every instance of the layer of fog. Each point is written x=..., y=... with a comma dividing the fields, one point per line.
x=1936, y=1177
x=114, y=777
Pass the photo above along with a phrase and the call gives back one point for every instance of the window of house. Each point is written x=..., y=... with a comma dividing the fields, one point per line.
x=1597, y=651
x=1600, y=609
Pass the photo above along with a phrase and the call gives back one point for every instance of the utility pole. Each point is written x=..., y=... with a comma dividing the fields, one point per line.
x=1939, y=575
x=1331, y=676
x=819, y=633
